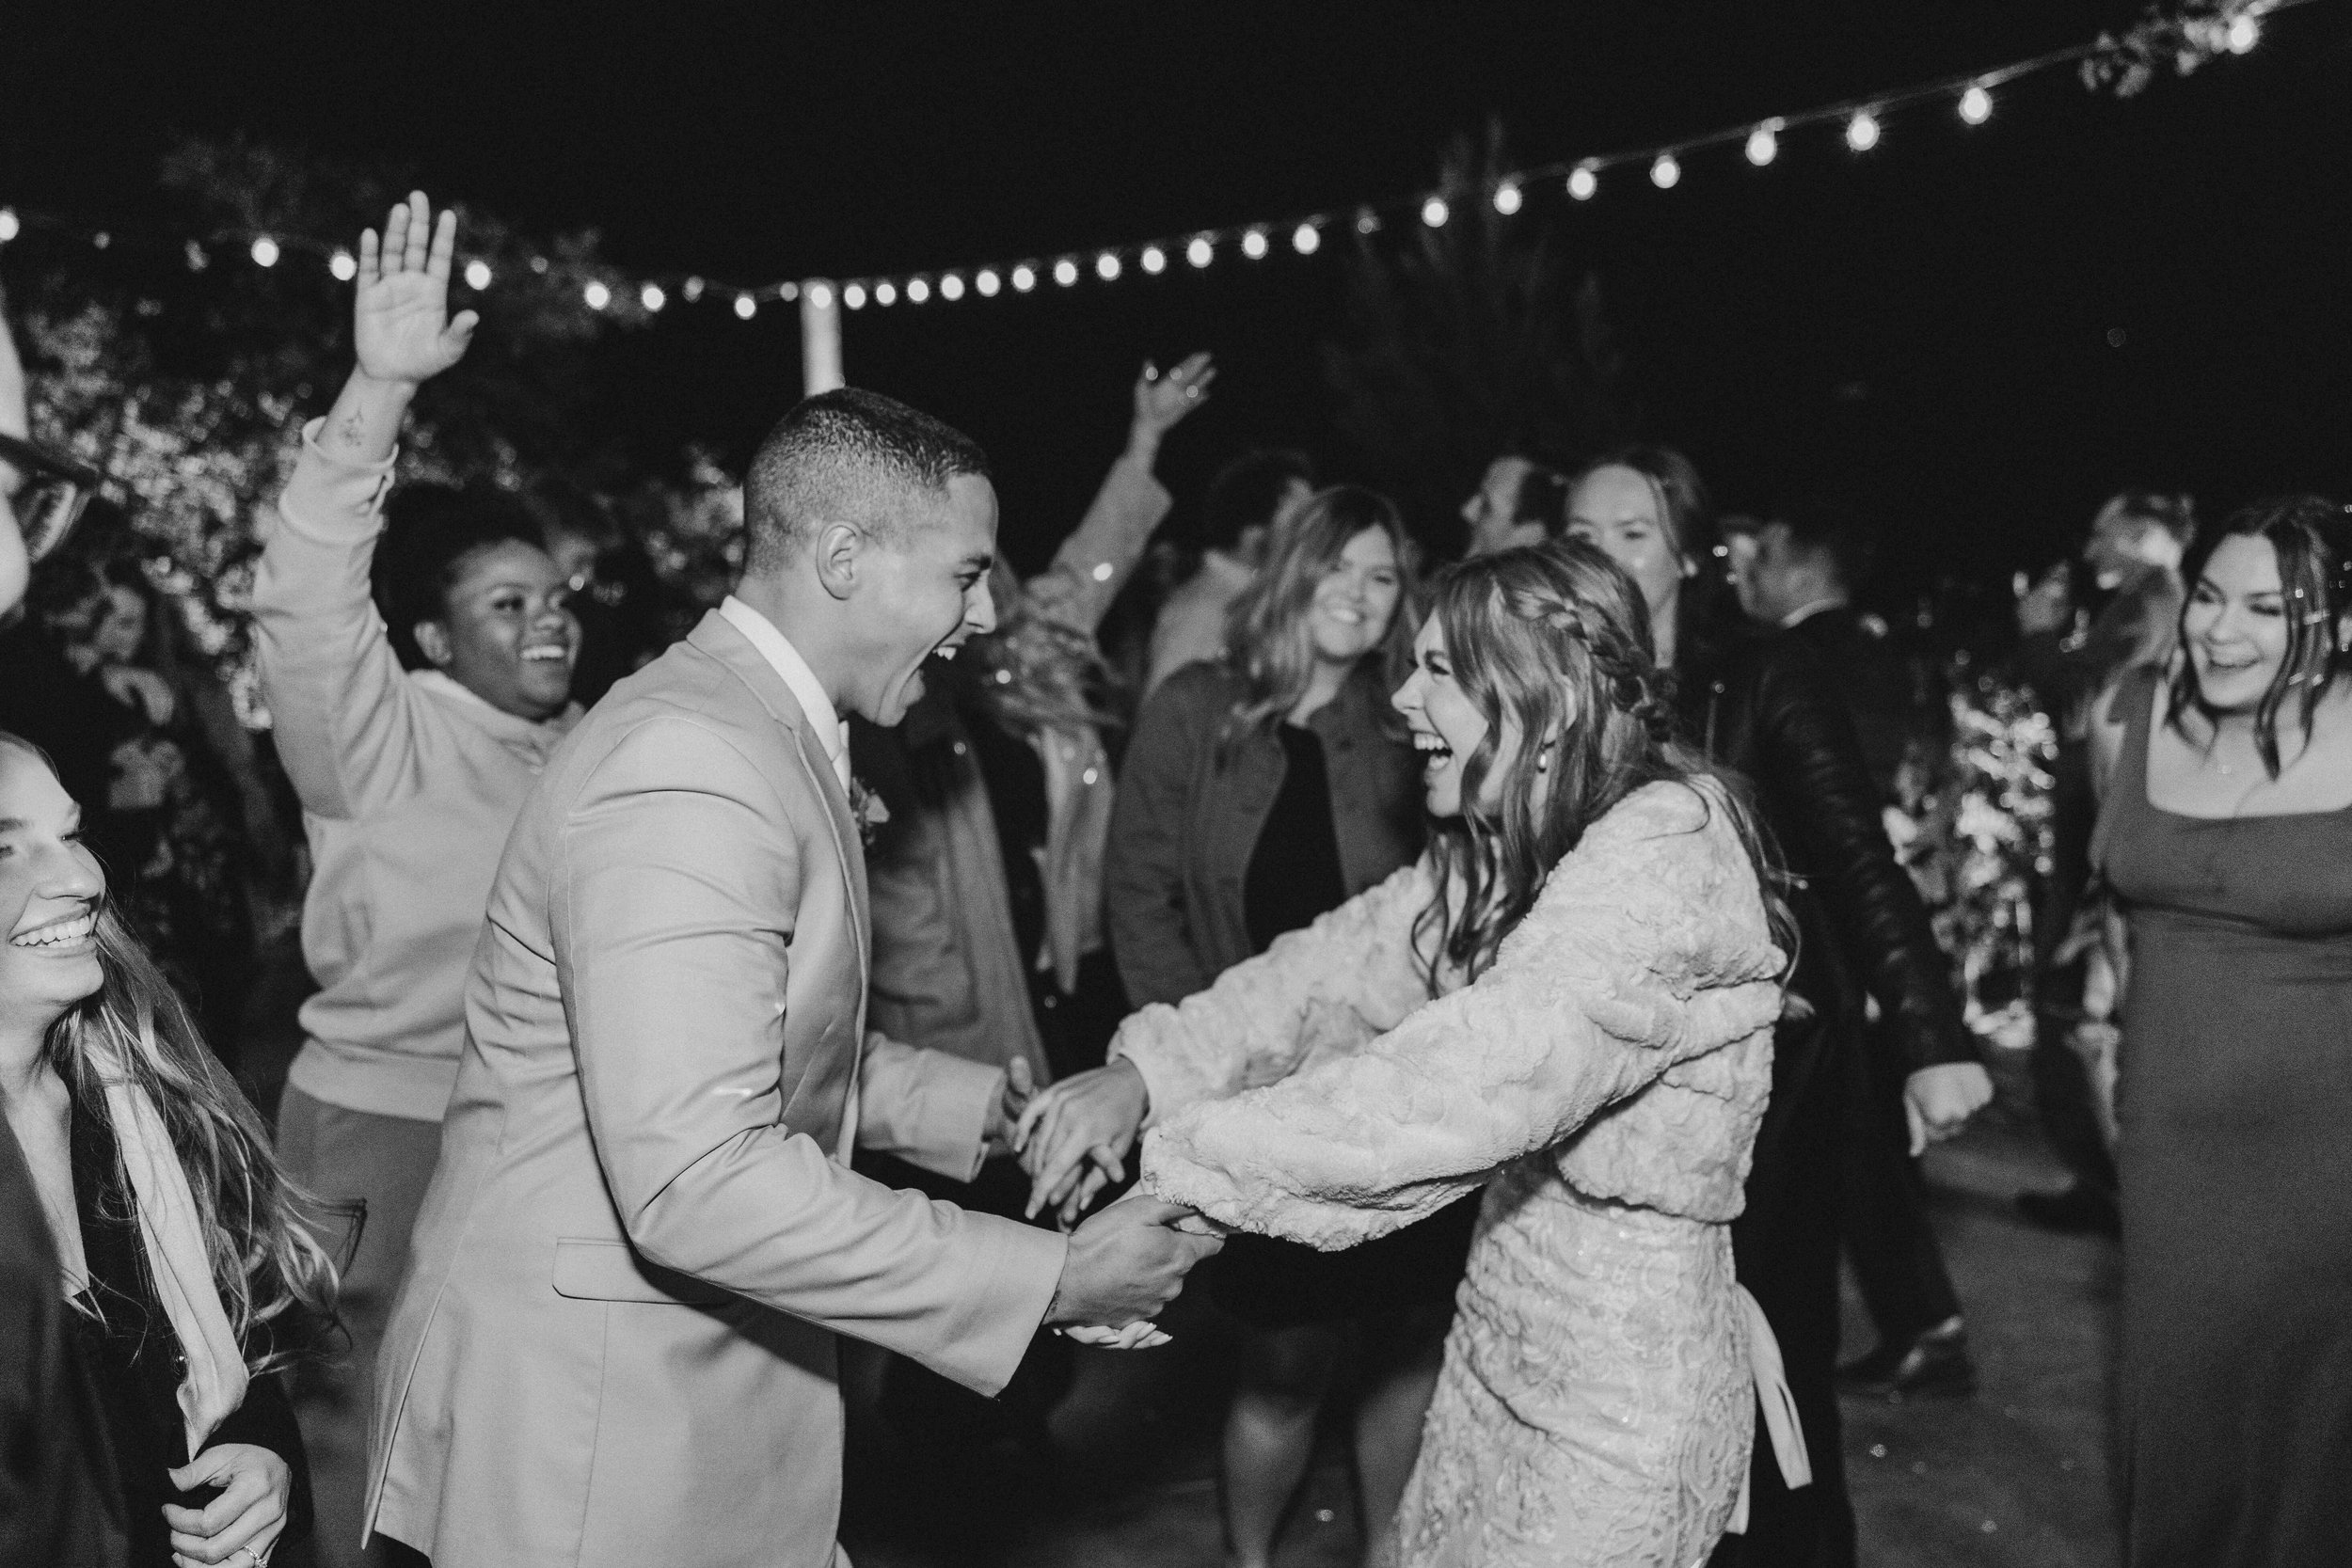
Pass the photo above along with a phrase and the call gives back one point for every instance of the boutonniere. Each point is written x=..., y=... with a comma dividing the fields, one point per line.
x=868, y=808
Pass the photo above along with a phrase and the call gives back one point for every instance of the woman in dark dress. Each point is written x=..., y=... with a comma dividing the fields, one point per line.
x=1258, y=792
x=2226, y=835
x=189, y=1279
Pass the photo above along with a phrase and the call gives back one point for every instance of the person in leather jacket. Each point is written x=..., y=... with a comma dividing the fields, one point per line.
x=1761, y=706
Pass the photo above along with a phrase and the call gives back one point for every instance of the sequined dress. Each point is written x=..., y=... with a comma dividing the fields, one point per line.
x=1602, y=1078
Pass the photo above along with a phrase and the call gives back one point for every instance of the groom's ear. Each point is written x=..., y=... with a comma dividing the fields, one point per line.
x=838, y=557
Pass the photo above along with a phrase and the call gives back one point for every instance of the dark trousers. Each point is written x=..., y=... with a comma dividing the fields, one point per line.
x=1883, y=1213
x=1786, y=1247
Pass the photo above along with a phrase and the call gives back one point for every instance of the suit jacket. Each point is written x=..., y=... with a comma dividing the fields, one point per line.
x=616, y=1344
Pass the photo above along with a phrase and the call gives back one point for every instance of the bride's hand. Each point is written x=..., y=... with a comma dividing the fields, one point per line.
x=1080, y=1130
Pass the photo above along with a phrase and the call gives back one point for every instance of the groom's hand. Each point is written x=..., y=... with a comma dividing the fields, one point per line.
x=1084, y=1124
x=1126, y=1263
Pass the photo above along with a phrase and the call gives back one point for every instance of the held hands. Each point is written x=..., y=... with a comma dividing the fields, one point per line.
x=400, y=319
x=1938, y=1101
x=247, y=1516
x=1126, y=1263
x=1005, y=1115
x=1163, y=401
x=1074, y=1137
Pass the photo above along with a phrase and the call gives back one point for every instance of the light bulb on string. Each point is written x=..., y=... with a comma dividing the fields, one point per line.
x=9, y=225
x=1023, y=278
x=1434, y=211
x=1065, y=271
x=199, y=258
x=1107, y=266
x=264, y=251
x=1509, y=198
x=885, y=292
x=820, y=295
x=787, y=292
x=1666, y=172
x=100, y=240
x=1976, y=105
x=951, y=287
x=1200, y=251
x=746, y=306
x=539, y=265
x=1253, y=244
x=597, y=295
x=1764, y=143
x=1306, y=239
x=853, y=296
x=651, y=297
x=2244, y=31
x=1862, y=131
x=692, y=289
x=1583, y=182
x=1155, y=259
x=478, y=276
x=1367, y=221
x=344, y=265
x=987, y=284
x=917, y=291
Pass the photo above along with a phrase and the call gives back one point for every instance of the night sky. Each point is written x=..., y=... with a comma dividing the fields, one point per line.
x=2008, y=322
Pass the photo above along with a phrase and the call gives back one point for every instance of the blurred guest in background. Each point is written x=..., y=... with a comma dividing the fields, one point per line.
x=2083, y=628
x=985, y=878
x=191, y=1279
x=1798, y=573
x=1762, y=708
x=413, y=721
x=1242, y=505
x=1519, y=501
x=2226, y=833
x=185, y=823
x=1259, y=791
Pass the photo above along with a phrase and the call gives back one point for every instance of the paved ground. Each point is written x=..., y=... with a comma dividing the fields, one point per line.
x=2015, y=1476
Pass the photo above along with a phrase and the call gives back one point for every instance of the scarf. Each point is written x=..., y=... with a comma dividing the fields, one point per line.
x=171, y=1234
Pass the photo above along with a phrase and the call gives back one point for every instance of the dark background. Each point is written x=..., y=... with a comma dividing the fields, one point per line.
x=1938, y=313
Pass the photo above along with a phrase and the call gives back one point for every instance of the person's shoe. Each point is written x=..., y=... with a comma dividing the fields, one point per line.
x=2079, y=1211
x=1934, y=1365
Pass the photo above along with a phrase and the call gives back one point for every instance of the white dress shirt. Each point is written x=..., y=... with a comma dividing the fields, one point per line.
x=786, y=661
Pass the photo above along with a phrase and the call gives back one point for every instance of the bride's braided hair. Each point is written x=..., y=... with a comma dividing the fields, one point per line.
x=1552, y=643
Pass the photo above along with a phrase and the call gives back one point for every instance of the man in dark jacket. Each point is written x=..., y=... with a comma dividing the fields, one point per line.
x=1797, y=573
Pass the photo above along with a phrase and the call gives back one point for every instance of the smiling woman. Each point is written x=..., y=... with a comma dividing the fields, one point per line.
x=189, y=1277
x=410, y=779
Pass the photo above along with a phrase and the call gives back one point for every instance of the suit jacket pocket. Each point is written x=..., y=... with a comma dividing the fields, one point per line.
x=591, y=1270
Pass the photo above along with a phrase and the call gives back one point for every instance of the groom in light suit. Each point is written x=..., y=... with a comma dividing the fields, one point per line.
x=616, y=1345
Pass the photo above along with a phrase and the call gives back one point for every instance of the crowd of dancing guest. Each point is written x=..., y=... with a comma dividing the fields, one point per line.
x=1483, y=977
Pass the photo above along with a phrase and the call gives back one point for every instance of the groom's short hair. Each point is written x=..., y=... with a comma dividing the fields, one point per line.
x=849, y=457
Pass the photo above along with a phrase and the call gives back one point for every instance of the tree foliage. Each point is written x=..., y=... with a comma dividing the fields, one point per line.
x=1475, y=338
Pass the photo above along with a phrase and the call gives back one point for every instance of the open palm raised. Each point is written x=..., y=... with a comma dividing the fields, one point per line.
x=401, y=324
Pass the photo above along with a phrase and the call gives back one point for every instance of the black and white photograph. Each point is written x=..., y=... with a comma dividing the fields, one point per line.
x=960, y=784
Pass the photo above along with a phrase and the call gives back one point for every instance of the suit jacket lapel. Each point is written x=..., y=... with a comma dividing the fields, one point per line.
x=717, y=638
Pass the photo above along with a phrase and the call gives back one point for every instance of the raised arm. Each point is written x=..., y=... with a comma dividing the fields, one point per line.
x=343, y=712
x=1647, y=949
x=1093, y=563
x=14, y=421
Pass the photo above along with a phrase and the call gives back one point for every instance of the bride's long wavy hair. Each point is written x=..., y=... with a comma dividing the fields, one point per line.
x=269, y=1271
x=1553, y=639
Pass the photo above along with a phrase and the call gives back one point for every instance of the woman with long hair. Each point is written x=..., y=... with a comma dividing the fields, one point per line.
x=1567, y=1001
x=2226, y=836
x=1762, y=708
x=193, y=1280
x=1258, y=792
